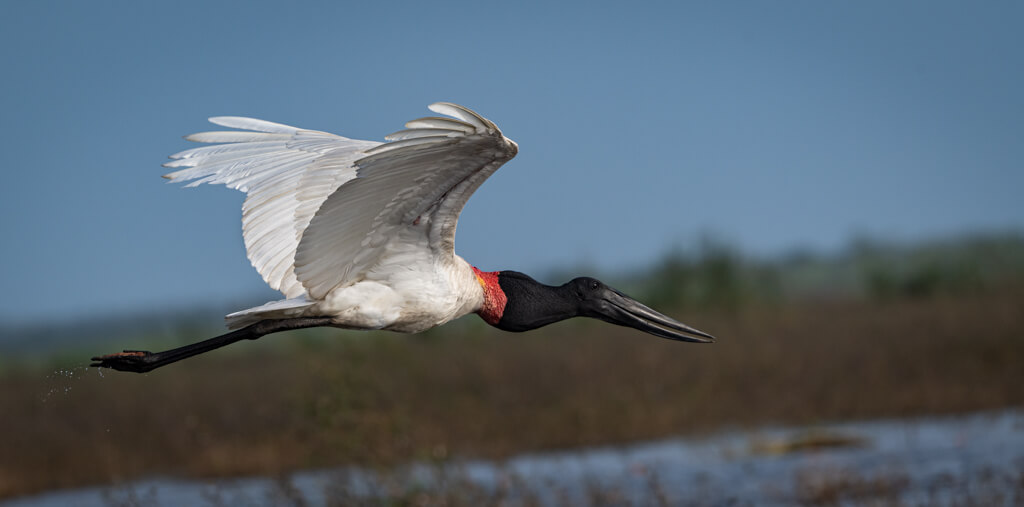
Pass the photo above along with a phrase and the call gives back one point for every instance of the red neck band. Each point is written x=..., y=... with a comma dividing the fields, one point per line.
x=494, y=297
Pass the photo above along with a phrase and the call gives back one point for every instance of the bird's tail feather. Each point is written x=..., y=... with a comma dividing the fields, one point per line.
x=282, y=309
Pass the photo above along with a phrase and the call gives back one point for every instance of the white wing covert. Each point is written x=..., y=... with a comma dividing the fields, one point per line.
x=414, y=186
x=286, y=173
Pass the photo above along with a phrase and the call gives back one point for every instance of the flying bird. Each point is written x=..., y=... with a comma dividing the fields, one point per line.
x=360, y=234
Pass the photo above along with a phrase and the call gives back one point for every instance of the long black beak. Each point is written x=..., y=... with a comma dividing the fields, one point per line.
x=618, y=308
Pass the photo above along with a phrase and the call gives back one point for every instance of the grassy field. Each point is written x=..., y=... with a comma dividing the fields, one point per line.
x=328, y=398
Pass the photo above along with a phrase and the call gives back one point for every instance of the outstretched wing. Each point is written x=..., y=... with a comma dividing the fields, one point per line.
x=320, y=207
x=286, y=172
x=406, y=196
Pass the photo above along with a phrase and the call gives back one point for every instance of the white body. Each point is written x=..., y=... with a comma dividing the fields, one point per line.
x=401, y=299
x=358, y=231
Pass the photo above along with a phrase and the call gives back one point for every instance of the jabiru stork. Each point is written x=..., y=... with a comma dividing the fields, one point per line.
x=360, y=234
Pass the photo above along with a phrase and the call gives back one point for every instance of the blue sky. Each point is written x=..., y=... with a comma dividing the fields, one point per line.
x=773, y=125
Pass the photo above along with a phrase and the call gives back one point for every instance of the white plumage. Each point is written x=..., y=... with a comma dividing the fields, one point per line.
x=360, y=234
x=357, y=230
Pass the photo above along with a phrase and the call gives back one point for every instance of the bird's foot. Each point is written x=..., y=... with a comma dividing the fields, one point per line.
x=139, y=361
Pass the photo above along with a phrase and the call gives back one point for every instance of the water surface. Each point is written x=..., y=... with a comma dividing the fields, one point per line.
x=971, y=459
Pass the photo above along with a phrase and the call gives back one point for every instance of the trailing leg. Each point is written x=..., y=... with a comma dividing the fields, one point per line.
x=141, y=361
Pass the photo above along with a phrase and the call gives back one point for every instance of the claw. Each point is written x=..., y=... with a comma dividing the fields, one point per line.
x=138, y=361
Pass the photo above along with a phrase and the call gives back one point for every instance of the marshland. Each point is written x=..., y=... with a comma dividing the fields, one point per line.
x=879, y=332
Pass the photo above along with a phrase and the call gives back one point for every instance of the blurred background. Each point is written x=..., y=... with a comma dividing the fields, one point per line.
x=831, y=189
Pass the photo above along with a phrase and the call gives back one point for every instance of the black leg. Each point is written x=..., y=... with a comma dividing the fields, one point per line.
x=141, y=361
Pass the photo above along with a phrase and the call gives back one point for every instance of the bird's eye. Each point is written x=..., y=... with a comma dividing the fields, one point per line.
x=594, y=284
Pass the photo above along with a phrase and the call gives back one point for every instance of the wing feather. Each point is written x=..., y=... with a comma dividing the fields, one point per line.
x=465, y=114
x=412, y=188
x=234, y=137
x=269, y=162
x=423, y=132
x=394, y=145
x=433, y=122
x=207, y=151
x=240, y=122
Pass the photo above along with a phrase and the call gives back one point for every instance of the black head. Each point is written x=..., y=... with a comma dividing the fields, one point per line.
x=531, y=304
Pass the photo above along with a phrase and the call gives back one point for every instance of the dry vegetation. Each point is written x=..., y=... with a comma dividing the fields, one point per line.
x=299, y=401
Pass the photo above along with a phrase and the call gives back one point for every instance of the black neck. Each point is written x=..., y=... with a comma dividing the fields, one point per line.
x=531, y=304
